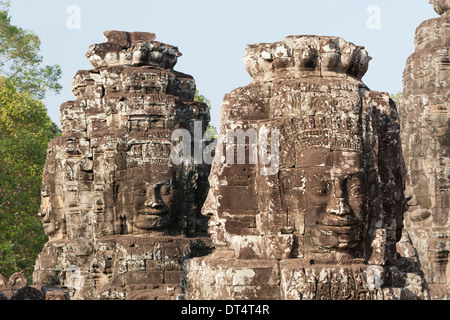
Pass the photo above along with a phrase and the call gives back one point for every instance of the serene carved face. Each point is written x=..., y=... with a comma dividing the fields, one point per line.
x=148, y=195
x=419, y=189
x=153, y=197
x=51, y=212
x=418, y=211
x=335, y=191
x=44, y=212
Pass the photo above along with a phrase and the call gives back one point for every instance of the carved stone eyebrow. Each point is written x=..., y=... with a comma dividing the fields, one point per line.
x=158, y=184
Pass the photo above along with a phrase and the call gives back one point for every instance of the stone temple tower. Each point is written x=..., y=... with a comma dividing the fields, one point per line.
x=120, y=215
x=319, y=213
x=425, y=117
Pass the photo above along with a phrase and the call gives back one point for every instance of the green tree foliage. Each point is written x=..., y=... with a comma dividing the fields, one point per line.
x=397, y=97
x=201, y=98
x=25, y=131
x=20, y=60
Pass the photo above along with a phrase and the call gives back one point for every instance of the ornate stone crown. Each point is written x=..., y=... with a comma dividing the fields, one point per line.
x=132, y=49
x=306, y=54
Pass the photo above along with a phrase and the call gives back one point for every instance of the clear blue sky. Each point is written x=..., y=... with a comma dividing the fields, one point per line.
x=212, y=35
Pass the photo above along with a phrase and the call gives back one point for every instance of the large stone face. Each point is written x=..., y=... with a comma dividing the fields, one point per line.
x=120, y=215
x=425, y=110
x=313, y=207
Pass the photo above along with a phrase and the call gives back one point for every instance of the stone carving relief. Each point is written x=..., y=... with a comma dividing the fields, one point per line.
x=114, y=205
x=309, y=195
x=424, y=111
x=16, y=288
x=326, y=224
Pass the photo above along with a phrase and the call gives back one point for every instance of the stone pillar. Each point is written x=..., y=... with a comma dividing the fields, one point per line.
x=313, y=206
x=425, y=116
x=121, y=216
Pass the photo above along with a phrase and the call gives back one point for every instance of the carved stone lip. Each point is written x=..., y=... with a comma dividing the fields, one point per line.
x=153, y=212
x=336, y=229
x=47, y=226
x=418, y=214
x=338, y=222
x=338, y=226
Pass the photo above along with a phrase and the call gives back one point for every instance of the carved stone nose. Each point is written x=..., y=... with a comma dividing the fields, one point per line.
x=412, y=201
x=153, y=202
x=337, y=204
x=155, y=205
x=44, y=213
x=338, y=207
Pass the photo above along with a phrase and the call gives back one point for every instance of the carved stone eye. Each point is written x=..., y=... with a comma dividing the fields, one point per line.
x=356, y=191
x=355, y=187
x=322, y=189
x=165, y=189
x=142, y=191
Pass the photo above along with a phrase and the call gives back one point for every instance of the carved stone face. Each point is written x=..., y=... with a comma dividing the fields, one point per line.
x=418, y=205
x=153, y=197
x=148, y=196
x=44, y=212
x=335, y=211
x=51, y=213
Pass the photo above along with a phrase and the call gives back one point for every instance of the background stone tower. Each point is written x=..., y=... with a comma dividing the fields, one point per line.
x=425, y=117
